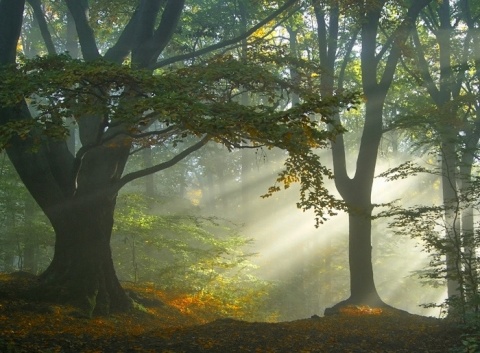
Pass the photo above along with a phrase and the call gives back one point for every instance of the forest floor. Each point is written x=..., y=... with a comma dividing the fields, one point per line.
x=169, y=325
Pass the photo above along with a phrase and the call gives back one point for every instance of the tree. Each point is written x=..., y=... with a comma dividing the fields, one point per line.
x=448, y=90
x=380, y=53
x=442, y=60
x=24, y=231
x=118, y=107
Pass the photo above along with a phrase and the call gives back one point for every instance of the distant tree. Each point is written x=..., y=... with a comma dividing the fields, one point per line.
x=118, y=108
x=442, y=60
x=25, y=235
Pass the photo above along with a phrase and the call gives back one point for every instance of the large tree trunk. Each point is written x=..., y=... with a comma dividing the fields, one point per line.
x=82, y=265
x=83, y=222
x=82, y=270
x=78, y=196
x=31, y=245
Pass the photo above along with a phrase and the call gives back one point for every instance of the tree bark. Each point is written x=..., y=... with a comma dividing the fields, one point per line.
x=362, y=284
x=356, y=192
x=452, y=216
x=11, y=17
x=31, y=245
x=82, y=266
x=468, y=231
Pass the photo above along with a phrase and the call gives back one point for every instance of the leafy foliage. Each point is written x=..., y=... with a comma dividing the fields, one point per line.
x=196, y=100
x=25, y=235
x=427, y=223
x=202, y=257
x=403, y=171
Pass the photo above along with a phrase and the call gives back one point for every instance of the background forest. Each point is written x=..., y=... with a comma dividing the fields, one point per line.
x=201, y=227
x=277, y=263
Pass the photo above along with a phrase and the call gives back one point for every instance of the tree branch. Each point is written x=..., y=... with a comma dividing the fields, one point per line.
x=142, y=51
x=168, y=24
x=11, y=18
x=321, y=32
x=138, y=34
x=418, y=80
x=148, y=14
x=333, y=34
x=345, y=62
x=156, y=168
x=122, y=48
x=424, y=70
x=401, y=35
x=79, y=11
x=42, y=23
x=169, y=130
x=228, y=42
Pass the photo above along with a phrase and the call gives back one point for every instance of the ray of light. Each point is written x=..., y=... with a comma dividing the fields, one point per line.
x=288, y=242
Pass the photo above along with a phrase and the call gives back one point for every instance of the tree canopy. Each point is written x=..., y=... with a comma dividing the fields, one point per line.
x=97, y=98
x=123, y=96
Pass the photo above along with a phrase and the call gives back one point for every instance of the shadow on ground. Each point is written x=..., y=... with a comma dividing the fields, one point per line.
x=29, y=326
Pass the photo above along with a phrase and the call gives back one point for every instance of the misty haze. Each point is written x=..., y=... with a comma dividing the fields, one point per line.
x=239, y=176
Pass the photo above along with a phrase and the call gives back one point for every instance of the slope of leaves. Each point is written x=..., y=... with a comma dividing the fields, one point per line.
x=169, y=324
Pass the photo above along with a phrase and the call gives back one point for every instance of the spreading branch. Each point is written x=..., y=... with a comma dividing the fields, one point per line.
x=79, y=11
x=11, y=18
x=156, y=168
x=228, y=42
x=42, y=24
x=150, y=46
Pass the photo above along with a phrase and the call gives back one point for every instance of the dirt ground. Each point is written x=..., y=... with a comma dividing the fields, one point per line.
x=28, y=326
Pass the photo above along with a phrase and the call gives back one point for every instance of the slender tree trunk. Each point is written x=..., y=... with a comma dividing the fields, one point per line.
x=469, y=243
x=357, y=192
x=468, y=238
x=72, y=37
x=150, y=188
x=444, y=92
x=247, y=214
x=292, y=39
x=472, y=137
x=9, y=257
x=452, y=220
x=362, y=284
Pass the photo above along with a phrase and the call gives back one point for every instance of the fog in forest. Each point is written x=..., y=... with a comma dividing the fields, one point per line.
x=308, y=266
x=304, y=269
x=200, y=226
